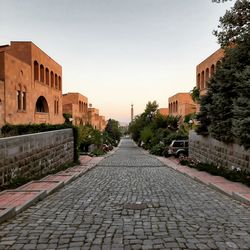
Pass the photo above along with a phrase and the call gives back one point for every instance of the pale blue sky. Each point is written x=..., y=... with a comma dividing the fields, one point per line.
x=118, y=52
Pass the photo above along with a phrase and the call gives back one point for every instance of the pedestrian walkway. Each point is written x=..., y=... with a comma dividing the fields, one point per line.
x=131, y=200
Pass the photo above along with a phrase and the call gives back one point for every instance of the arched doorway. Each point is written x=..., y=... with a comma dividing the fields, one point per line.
x=42, y=105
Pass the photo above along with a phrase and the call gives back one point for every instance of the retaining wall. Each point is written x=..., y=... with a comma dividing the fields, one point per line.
x=207, y=149
x=34, y=155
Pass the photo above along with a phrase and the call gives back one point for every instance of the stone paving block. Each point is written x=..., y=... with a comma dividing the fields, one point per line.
x=6, y=213
x=19, y=199
x=65, y=178
x=92, y=212
x=43, y=185
x=243, y=197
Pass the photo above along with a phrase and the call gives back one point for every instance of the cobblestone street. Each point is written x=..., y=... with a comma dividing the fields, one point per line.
x=131, y=201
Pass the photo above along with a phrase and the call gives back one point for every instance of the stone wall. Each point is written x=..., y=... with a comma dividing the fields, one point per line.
x=34, y=155
x=207, y=149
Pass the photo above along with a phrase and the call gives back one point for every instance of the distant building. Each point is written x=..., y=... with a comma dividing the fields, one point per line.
x=163, y=111
x=96, y=120
x=76, y=105
x=206, y=68
x=181, y=104
x=102, y=123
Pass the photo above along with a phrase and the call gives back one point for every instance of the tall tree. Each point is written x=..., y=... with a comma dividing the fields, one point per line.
x=234, y=26
x=225, y=109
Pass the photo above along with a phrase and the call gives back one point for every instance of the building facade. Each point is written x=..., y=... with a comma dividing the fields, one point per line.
x=30, y=85
x=181, y=104
x=76, y=105
x=206, y=68
x=163, y=111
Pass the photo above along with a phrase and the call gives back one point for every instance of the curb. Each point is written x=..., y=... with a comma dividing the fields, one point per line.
x=60, y=179
x=212, y=181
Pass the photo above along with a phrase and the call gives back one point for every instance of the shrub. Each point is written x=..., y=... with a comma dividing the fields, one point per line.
x=157, y=149
x=235, y=174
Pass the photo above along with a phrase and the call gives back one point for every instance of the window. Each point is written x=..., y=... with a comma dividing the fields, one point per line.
x=52, y=79
x=60, y=82
x=199, y=81
x=24, y=100
x=56, y=106
x=36, y=71
x=19, y=100
x=202, y=80
x=178, y=144
x=207, y=77
x=56, y=81
x=41, y=73
x=47, y=76
x=212, y=69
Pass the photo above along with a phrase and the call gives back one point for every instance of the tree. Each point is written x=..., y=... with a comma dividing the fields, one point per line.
x=224, y=111
x=113, y=129
x=195, y=94
x=234, y=26
x=220, y=1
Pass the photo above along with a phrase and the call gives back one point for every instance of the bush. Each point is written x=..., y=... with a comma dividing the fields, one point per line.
x=235, y=174
x=97, y=152
x=157, y=149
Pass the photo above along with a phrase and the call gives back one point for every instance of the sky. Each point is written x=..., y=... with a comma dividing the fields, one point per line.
x=118, y=52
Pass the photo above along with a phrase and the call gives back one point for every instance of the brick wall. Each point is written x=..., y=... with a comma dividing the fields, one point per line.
x=34, y=155
x=207, y=149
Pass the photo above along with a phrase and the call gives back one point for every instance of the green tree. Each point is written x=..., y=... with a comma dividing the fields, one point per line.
x=113, y=129
x=195, y=94
x=224, y=111
x=234, y=26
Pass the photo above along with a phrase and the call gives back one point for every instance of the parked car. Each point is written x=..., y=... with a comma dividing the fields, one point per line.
x=178, y=148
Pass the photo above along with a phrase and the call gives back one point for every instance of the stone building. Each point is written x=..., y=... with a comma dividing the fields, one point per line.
x=30, y=85
x=102, y=123
x=76, y=105
x=163, y=111
x=206, y=68
x=181, y=104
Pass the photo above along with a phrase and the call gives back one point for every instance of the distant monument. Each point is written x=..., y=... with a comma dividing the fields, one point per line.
x=132, y=112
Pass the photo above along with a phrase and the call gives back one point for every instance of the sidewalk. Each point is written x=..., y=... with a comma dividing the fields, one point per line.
x=235, y=190
x=15, y=201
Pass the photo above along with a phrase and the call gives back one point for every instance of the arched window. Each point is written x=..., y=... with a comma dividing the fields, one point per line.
x=198, y=81
x=207, y=77
x=212, y=70
x=56, y=81
x=60, y=82
x=52, y=79
x=47, y=76
x=176, y=106
x=173, y=107
x=41, y=73
x=19, y=100
x=202, y=80
x=24, y=99
x=218, y=64
x=79, y=106
x=42, y=105
x=36, y=71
